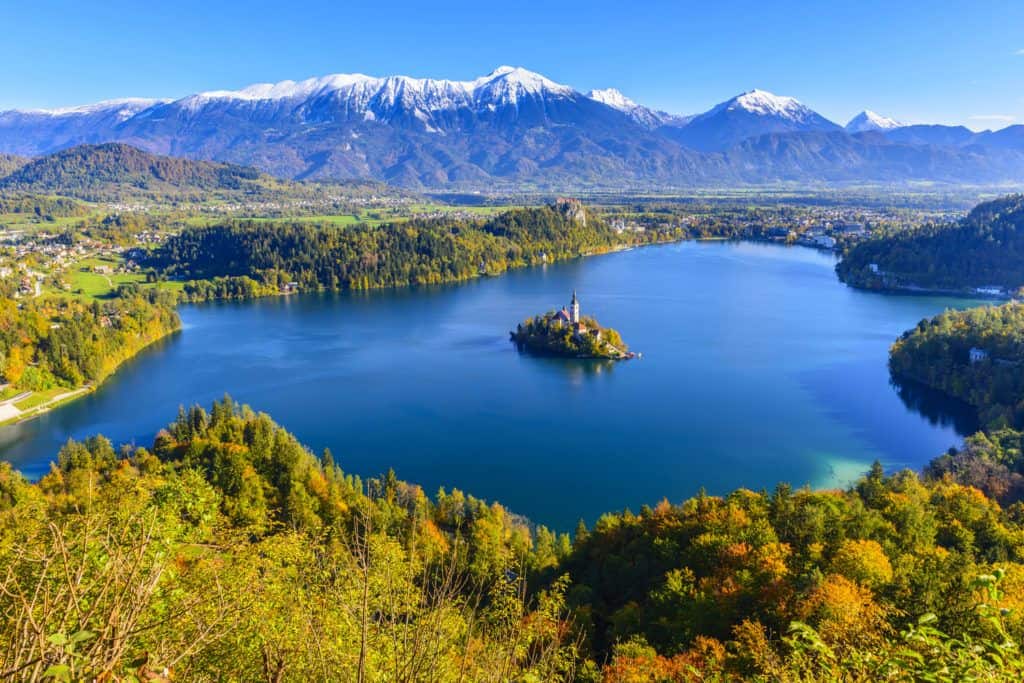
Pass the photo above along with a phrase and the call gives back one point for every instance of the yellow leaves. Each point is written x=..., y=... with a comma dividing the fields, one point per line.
x=340, y=506
x=731, y=517
x=771, y=560
x=814, y=551
x=317, y=484
x=432, y=541
x=15, y=365
x=863, y=561
x=1012, y=599
x=844, y=612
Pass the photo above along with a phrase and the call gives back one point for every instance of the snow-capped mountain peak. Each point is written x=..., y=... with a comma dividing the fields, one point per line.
x=868, y=120
x=507, y=84
x=613, y=98
x=750, y=115
x=764, y=103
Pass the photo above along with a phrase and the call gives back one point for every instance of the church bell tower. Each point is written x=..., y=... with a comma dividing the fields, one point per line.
x=574, y=309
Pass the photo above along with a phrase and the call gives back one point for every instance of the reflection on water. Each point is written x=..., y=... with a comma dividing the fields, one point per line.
x=938, y=408
x=758, y=367
x=576, y=370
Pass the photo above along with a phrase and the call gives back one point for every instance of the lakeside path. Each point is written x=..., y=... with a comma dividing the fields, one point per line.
x=11, y=413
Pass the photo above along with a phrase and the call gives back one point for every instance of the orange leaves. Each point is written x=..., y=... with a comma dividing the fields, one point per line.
x=636, y=662
x=652, y=669
x=664, y=518
x=735, y=555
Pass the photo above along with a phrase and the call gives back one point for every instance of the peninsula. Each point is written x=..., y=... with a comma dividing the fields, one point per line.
x=566, y=333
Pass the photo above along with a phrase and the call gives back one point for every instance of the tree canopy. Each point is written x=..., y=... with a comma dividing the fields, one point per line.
x=228, y=551
x=985, y=249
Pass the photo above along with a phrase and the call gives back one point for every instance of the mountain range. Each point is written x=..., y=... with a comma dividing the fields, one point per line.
x=517, y=127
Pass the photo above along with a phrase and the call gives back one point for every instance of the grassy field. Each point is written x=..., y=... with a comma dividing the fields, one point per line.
x=86, y=283
x=38, y=398
x=31, y=223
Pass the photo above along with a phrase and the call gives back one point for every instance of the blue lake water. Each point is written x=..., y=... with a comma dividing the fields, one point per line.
x=758, y=366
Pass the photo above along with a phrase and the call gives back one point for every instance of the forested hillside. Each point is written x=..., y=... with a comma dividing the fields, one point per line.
x=41, y=206
x=115, y=171
x=46, y=344
x=9, y=163
x=938, y=352
x=976, y=356
x=364, y=257
x=985, y=249
x=239, y=555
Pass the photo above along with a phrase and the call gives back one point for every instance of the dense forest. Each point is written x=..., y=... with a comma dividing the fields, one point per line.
x=228, y=551
x=416, y=252
x=52, y=343
x=985, y=249
x=9, y=163
x=975, y=355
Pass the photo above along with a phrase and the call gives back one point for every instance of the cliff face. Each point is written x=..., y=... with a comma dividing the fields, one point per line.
x=572, y=209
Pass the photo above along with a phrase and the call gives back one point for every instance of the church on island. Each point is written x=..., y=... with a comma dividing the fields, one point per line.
x=567, y=333
x=571, y=316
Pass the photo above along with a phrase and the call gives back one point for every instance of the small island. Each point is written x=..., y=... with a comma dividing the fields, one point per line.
x=566, y=333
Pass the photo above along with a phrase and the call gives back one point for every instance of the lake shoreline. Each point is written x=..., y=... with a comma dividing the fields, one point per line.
x=72, y=395
x=422, y=378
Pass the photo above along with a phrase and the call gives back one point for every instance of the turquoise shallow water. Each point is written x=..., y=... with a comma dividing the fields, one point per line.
x=758, y=366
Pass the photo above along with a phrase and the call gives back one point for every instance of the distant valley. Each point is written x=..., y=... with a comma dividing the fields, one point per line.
x=516, y=128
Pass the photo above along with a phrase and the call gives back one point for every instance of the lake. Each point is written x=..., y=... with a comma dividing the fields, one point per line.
x=758, y=366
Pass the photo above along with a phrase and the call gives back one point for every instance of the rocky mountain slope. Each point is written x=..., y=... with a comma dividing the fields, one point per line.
x=514, y=127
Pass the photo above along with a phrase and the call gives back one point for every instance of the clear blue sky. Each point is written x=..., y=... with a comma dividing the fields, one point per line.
x=946, y=61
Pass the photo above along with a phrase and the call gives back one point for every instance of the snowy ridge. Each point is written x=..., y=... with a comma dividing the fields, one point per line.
x=645, y=116
x=868, y=120
x=613, y=98
x=126, y=107
x=284, y=89
x=764, y=103
x=504, y=85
